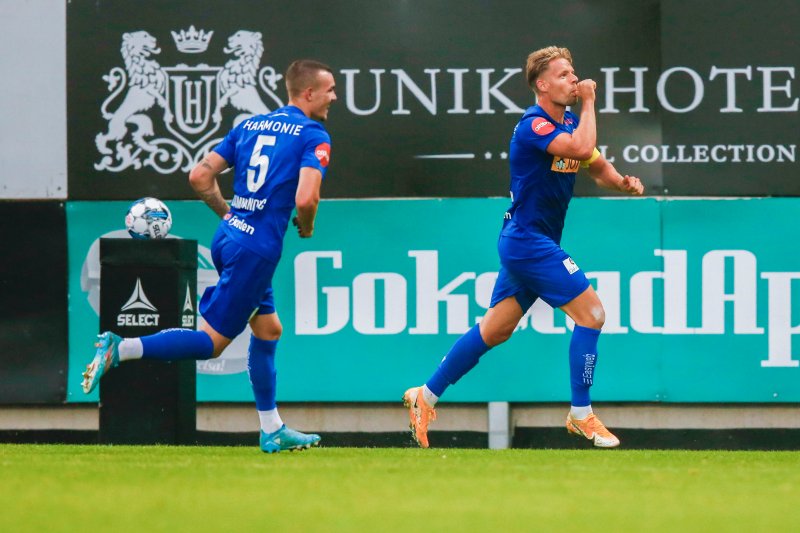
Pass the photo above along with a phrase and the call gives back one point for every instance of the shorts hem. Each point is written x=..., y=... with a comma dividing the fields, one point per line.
x=219, y=330
x=569, y=299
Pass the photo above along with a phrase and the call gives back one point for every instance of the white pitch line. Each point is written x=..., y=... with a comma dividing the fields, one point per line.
x=445, y=156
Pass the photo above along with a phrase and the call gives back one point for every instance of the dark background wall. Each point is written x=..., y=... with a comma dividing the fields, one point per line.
x=33, y=302
x=467, y=49
x=388, y=57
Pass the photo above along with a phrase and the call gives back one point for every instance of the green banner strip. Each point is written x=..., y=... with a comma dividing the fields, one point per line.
x=702, y=300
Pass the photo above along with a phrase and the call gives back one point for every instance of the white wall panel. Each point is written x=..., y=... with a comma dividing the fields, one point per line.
x=33, y=99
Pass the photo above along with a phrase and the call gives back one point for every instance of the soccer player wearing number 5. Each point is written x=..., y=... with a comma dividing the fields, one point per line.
x=280, y=160
x=547, y=149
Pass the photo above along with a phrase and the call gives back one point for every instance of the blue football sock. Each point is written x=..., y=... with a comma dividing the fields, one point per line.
x=582, y=360
x=177, y=344
x=461, y=358
x=261, y=368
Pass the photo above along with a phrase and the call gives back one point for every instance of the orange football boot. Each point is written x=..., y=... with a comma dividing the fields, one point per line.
x=420, y=415
x=594, y=430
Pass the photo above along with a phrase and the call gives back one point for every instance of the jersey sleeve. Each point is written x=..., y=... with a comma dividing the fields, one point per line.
x=227, y=148
x=537, y=133
x=317, y=150
x=575, y=120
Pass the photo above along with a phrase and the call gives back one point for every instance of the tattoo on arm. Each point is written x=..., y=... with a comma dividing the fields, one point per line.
x=211, y=194
x=215, y=201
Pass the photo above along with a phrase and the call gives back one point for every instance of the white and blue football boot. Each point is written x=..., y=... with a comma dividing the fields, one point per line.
x=287, y=439
x=105, y=358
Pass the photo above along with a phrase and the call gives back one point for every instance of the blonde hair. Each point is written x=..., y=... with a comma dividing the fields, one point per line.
x=539, y=60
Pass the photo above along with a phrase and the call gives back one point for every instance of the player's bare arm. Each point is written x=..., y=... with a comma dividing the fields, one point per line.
x=307, y=200
x=203, y=179
x=581, y=143
x=605, y=175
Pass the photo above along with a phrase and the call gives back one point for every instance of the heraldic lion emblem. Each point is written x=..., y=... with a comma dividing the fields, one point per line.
x=146, y=86
x=190, y=116
x=237, y=81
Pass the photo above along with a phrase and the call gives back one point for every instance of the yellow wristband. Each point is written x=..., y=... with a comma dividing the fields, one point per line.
x=595, y=155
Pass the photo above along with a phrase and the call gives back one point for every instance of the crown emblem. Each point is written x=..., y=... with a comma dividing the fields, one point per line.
x=192, y=41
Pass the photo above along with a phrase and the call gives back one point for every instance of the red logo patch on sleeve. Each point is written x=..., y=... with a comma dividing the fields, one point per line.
x=323, y=153
x=541, y=126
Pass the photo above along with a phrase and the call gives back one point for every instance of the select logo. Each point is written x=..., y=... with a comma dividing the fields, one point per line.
x=187, y=313
x=138, y=311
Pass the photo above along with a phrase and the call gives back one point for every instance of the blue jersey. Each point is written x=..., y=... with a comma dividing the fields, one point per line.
x=267, y=153
x=541, y=183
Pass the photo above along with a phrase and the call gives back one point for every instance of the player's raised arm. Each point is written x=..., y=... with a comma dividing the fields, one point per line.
x=605, y=175
x=307, y=200
x=203, y=179
x=580, y=145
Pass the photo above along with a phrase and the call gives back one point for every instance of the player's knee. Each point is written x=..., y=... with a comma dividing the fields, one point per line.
x=266, y=327
x=218, y=342
x=497, y=335
x=597, y=317
x=272, y=332
x=275, y=332
x=219, y=347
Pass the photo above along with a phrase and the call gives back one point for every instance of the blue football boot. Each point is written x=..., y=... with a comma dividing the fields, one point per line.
x=287, y=439
x=106, y=357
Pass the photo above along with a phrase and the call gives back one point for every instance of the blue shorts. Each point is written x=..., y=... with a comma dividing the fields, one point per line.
x=535, y=268
x=244, y=288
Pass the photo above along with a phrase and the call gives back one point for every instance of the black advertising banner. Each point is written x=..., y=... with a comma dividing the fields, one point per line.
x=730, y=87
x=33, y=303
x=429, y=92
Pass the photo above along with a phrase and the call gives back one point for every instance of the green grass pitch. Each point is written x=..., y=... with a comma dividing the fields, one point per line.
x=162, y=488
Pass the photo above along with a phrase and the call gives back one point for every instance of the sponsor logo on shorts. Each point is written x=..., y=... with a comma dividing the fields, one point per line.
x=323, y=153
x=570, y=265
x=542, y=126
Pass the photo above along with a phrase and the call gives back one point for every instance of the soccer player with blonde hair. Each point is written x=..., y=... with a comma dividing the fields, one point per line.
x=548, y=147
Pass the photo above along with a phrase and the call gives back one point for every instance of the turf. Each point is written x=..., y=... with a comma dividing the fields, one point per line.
x=161, y=488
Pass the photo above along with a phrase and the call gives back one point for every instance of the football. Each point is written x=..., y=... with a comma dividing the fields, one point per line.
x=148, y=218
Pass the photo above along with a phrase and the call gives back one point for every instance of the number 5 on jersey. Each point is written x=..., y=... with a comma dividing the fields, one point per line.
x=260, y=162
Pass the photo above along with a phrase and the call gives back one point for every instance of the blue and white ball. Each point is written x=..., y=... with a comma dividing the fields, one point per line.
x=148, y=218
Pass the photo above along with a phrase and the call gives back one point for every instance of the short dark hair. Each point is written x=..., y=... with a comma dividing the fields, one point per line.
x=302, y=74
